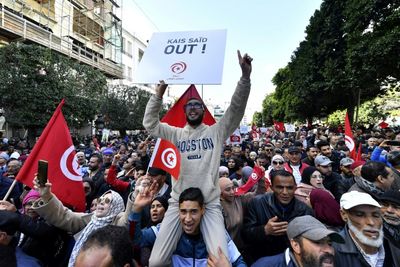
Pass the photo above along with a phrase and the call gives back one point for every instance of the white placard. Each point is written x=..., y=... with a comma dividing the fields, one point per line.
x=290, y=128
x=244, y=129
x=192, y=57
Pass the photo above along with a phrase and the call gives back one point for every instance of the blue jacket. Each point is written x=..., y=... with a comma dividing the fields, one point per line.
x=376, y=155
x=280, y=260
x=190, y=250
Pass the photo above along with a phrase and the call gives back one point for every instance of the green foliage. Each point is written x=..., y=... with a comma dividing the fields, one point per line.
x=123, y=108
x=35, y=79
x=372, y=111
x=350, y=47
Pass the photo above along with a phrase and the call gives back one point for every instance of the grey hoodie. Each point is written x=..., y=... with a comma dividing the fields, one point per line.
x=200, y=147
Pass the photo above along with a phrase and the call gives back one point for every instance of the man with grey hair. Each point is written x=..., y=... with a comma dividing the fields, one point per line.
x=310, y=245
x=363, y=232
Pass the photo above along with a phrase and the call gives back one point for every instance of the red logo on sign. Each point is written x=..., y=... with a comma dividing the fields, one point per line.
x=178, y=67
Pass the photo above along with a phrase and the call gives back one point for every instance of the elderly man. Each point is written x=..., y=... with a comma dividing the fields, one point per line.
x=310, y=245
x=268, y=215
x=363, y=232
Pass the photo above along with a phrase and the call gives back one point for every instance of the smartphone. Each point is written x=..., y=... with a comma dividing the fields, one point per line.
x=42, y=172
x=393, y=143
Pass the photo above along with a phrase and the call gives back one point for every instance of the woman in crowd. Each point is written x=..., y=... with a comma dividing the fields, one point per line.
x=110, y=210
x=310, y=179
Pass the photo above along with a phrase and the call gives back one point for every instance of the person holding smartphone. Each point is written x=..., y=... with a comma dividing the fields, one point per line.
x=381, y=152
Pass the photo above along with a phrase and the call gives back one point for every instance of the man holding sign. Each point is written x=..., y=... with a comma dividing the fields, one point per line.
x=200, y=147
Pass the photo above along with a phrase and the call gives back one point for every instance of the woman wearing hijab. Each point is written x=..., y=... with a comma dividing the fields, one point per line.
x=326, y=209
x=310, y=179
x=110, y=210
x=36, y=237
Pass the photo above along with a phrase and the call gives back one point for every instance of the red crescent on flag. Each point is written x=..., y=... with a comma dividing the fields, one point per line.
x=349, y=142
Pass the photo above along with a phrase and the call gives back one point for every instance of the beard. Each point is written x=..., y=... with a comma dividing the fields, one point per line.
x=311, y=260
x=365, y=240
x=195, y=122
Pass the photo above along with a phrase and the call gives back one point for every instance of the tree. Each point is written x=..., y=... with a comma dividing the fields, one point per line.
x=35, y=79
x=124, y=107
x=350, y=54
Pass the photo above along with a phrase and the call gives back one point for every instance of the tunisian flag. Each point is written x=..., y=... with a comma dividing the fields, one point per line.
x=348, y=138
x=176, y=115
x=166, y=157
x=256, y=175
x=279, y=126
x=55, y=146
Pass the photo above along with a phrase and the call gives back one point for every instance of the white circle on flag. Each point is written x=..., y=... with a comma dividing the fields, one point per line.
x=64, y=165
x=349, y=142
x=168, y=158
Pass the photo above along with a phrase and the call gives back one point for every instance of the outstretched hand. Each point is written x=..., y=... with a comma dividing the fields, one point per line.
x=145, y=197
x=5, y=205
x=44, y=191
x=245, y=64
x=160, y=88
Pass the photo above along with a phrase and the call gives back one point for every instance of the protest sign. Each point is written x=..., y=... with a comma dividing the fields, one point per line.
x=192, y=57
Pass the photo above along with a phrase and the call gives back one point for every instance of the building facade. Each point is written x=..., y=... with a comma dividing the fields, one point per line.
x=89, y=31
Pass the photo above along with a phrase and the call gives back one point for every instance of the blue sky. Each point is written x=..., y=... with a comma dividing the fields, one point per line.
x=268, y=30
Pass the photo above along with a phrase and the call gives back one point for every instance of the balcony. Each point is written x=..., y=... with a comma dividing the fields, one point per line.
x=15, y=27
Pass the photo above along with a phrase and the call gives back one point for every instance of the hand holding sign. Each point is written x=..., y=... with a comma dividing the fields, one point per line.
x=160, y=89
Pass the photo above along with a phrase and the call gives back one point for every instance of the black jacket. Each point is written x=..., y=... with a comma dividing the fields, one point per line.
x=347, y=254
x=260, y=210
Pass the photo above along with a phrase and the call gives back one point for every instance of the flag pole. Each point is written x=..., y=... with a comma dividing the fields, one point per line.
x=10, y=189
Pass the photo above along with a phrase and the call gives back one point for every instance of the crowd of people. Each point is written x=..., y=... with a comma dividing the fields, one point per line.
x=282, y=199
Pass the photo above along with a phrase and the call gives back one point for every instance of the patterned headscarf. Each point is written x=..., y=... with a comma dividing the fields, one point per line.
x=116, y=206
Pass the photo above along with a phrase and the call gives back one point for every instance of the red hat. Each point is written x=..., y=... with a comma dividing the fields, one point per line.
x=356, y=164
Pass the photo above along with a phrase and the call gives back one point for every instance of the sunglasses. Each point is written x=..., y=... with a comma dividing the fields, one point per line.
x=268, y=149
x=193, y=106
x=277, y=162
x=106, y=200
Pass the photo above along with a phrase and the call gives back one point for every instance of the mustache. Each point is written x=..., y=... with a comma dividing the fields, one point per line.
x=326, y=257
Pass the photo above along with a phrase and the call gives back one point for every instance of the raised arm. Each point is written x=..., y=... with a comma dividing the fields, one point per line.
x=151, y=120
x=234, y=114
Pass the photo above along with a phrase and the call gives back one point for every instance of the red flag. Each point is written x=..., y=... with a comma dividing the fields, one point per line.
x=166, y=157
x=359, y=153
x=279, y=126
x=176, y=115
x=255, y=132
x=349, y=137
x=256, y=175
x=55, y=146
x=383, y=125
x=235, y=138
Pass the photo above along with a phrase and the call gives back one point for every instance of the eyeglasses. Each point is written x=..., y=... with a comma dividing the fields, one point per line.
x=277, y=162
x=268, y=149
x=193, y=106
x=106, y=200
